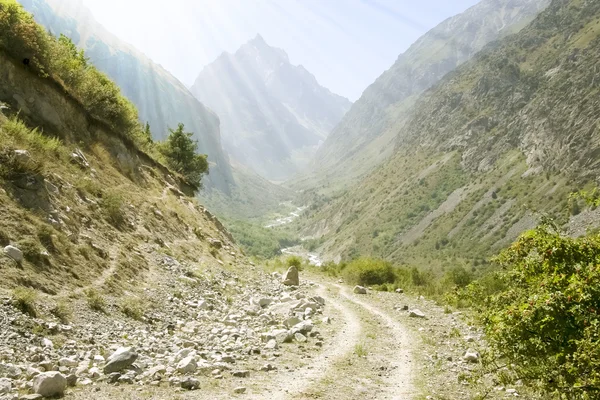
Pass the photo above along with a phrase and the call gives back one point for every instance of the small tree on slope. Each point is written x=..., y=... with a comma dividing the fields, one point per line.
x=180, y=152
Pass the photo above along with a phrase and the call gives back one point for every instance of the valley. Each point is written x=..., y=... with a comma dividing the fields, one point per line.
x=255, y=235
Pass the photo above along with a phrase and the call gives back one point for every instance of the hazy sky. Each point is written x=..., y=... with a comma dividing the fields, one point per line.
x=346, y=44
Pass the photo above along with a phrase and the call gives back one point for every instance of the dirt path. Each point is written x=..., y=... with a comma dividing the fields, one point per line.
x=328, y=374
x=293, y=384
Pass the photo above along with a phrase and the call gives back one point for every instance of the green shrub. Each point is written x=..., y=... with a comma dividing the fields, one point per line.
x=112, y=206
x=366, y=271
x=24, y=299
x=546, y=321
x=62, y=311
x=133, y=307
x=32, y=251
x=180, y=152
x=294, y=261
x=95, y=300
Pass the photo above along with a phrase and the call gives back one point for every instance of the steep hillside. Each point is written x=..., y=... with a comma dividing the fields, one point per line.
x=274, y=115
x=161, y=99
x=365, y=136
x=505, y=137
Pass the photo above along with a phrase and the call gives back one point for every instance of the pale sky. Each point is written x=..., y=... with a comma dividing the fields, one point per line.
x=346, y=44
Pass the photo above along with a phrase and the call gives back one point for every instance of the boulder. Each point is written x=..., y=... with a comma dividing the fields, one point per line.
x=14, y=253
x=290, y=322
x=5, y=385
x=49, y=384
x=360, y=290
x=120, y=359
x=190, y=383
x=416, y=313
x=291, y=277
x=300, y=337
x=187, y=366
x=239, y=390
x=241, y=374
x=400, y=291
x=471, y=356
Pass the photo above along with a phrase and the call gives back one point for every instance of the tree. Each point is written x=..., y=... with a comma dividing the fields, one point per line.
x=147, y=133
x=180, y=152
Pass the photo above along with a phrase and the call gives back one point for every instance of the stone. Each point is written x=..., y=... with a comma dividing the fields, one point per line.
x=416, y=313
x=50, y=384
x=22, y=156
x=190, y=383
x=300, y=337
x=14, y=253
x=291, y=277
x=326, y=320
x=71, y=380
x=239, y=390
x=94, y=373
x=471, y=356
x=360, y=290
x=187, y=366
x=265, y=302
x=33, y=396
x=67, y=362
x=241, y=374
x=5, y=385
x=290, y=322
x=47, y=343
x=120, y=359
x=271, y=344
x=399, y=291
x=303, y=327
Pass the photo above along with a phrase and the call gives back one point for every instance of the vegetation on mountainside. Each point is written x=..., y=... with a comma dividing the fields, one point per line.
x=180, y=152
x=59, y=59
x=259, y=241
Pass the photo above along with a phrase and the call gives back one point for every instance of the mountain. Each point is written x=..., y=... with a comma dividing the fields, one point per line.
x=365, y=136
x=497, y=143
x=161, y=99
x=274, y=115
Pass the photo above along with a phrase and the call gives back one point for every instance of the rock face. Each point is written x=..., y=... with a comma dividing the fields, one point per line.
x=14, y=253
x=360, y=290
x=49, y=384
x=271, y=111
x=120, y=359
x=291, y=277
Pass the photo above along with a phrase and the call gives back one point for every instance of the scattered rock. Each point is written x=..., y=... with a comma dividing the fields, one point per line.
x=50, y=384
x=239, y=390
x=241, y=374
x=400, y=291
x=120, y=359
x=416, y=313
x=190, y=383
x=14, y=253
x=291, y=277
x=5, y=385
x=187, y=366
x=471, y=356
x=360, y=290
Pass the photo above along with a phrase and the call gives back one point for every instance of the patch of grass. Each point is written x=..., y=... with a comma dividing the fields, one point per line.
x=133, y=307
x=32, y=251
x=113, y=207
x=45, y=235
x=360, y=350
x=95, y=300
x=25, y=299
x=4, y=238
x=62, y=311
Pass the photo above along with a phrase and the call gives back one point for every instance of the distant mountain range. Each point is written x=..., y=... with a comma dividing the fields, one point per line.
x=366, y=135
x=274, y=115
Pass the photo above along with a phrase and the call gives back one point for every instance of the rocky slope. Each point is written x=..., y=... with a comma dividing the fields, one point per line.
x=504, y=138
x=111, y=272
x=161, y=99
x=274, y=115
x=365, y=136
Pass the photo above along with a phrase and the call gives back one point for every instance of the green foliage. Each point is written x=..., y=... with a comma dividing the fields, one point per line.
x=294, y=261
x=113, y=207
x=133, y=307
x=32, y=251
x=259, y=241
x=367, y=271
x=59, y=59
x=180, y=152
x=546, y=320
x=62, y=311
x=95, y=300
x=24, y=299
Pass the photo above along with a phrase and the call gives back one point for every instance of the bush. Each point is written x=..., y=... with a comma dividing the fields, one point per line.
x=62, y=311
x=546, y=321
x=112, y=206
x=133, y=307
x=32, y=251
x=24, y=299
x=294, y=261
x=180, y=151
x=366, y=271
x=95, y=300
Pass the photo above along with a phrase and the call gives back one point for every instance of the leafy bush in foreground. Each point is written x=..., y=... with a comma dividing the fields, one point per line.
x=547, y=320
x=366, y=271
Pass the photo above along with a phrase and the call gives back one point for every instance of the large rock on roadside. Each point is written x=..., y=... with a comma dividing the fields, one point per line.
x=415, y=313
x=360, y=290
x=120, y=359
x=49, y=384
x=14, y=253
x=291, y=277
x=187, y=366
